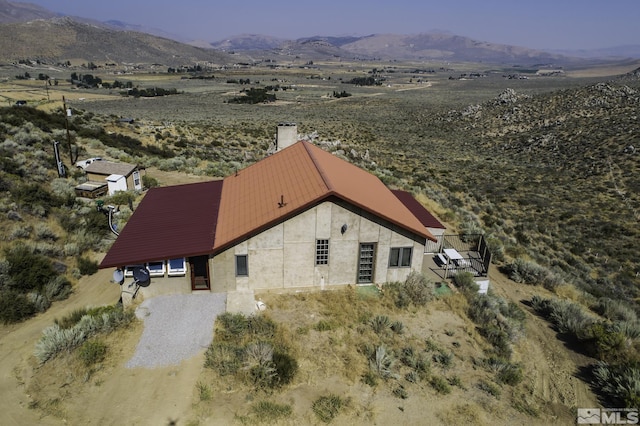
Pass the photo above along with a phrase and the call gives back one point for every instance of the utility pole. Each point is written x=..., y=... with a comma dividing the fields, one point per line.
x=67, y=114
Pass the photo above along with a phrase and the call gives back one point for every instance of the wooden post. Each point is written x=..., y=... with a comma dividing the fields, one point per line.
x=66, y=124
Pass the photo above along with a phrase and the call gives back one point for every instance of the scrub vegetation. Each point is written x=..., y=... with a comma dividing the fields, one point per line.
x=546, y=168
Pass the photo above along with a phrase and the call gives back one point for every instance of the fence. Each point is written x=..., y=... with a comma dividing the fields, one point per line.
x=476, y=256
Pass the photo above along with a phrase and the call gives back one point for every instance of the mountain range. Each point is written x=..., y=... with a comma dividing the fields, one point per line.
x=30, y=31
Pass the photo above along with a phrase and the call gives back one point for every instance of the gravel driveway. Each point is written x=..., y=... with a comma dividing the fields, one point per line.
x=176, y=327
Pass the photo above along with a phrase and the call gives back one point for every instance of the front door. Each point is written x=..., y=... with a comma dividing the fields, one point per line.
x=366, y=263
x=199, y=267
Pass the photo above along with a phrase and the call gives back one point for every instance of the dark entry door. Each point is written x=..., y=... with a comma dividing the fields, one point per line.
x=199, y=267
x=366, y=261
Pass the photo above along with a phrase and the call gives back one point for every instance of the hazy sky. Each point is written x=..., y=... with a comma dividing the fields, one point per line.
x=542, y=24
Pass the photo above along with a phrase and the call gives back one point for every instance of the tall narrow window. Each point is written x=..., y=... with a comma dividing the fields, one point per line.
x=322, y=252
x=400, y=257
x=242, y=266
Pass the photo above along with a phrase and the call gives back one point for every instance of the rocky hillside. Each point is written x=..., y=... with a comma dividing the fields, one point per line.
x=62, y=39
x=425, y=46
x=22, y=12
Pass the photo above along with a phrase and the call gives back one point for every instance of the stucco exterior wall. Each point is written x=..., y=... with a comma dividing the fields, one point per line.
x=284, y=255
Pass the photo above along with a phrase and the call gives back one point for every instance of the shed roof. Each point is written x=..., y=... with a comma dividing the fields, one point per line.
x=418, y=210
x=170, y=222
x=110, y=168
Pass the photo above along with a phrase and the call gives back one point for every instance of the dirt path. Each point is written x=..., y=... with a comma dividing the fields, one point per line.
x=552, y=368
x=114, y=395
x=17, y=343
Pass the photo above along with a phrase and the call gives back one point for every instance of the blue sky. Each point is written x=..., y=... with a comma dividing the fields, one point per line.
x=541, y=24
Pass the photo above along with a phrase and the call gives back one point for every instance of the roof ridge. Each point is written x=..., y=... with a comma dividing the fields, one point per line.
x=316, y=163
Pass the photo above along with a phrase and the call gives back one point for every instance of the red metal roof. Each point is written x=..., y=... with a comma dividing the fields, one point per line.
x=170, y=222
x=201, y=218
x=292, y=180
x=418, y=210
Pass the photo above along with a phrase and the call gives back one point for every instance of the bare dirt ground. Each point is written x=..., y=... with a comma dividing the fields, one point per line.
x=64, y=392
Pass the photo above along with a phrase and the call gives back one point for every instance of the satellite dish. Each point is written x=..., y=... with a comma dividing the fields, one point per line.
x=118, y=276
x=141, y=275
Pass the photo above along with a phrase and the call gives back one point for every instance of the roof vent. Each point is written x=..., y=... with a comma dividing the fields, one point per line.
x=281, y=204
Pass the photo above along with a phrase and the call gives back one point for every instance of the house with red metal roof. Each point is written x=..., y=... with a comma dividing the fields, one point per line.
x=301, y=217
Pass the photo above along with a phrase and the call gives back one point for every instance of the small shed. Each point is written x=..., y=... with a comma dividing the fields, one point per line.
x=116, y=183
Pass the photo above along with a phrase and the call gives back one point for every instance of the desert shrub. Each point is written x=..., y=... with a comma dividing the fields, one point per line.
x=412, y=377
x=262, y=376
x=204, y=391
x=397, y=327
x=380, y=323
x=400, y=392
x=370, y=378
x=490, y=388
x=325, y=325
x=36, y=199
x=630, y=329
x=15, y=307
x=223, y=358
x=604, y=341
x=87, y=266
x=444, y=359
x=382, y=362
x=56, y=339
x=268, y=412
x=419, y=288
x=71, y=319
x=327, y=408
x=465, y=281
x=246, y=347
x=506, y=372
x=416, y=290
x=149, y=182
x=456, y=381
x=261, y=326
x=63, y=189
x=501, y=323
x=440, y=385
x=619, y=383
x=233, y=326
x=58, y=288
x=28, y=270
x=470, y=231
x=523, y=271
x=286, y=368
x=614, y=310
x=40, y=302
x=71, y=249
x=415, y=360
x=92, y=352
x=567, y=317
x=20, y=232
x=43, y=232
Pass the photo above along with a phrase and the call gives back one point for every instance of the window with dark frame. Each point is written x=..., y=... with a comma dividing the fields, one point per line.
x=322, y=252
x=400, y=257
x=242, y=267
